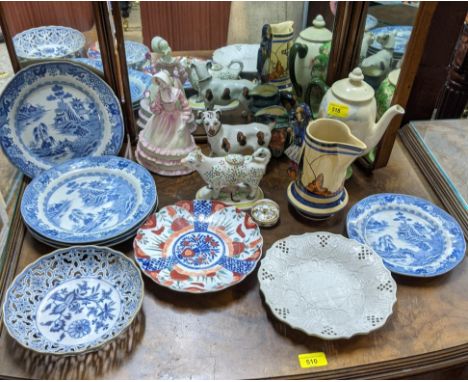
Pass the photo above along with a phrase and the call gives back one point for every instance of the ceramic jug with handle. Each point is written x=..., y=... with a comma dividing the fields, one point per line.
x=351, y=100
x=329, y=149
x=302, y=57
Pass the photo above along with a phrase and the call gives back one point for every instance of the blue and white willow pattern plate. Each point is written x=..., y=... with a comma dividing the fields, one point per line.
x=89, y=200
x=413, y=236
x=73, y=300
x=55, y=111
x=139, y=81
x=48, y=42
x=135, y=53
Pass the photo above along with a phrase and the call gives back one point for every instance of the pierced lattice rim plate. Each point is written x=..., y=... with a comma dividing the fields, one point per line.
x=326, y=285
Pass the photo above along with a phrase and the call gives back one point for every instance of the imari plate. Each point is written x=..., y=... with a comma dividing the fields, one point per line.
x=56, y=111
x=48, y=42
x=198, y=246
x=327, y=285
x=413, y=236
x=73, y=300
x=89, y=200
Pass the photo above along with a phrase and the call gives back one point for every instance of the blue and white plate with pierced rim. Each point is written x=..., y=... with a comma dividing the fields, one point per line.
x=73, y=300
x=48, y=42
x=136, y=53
x=413, y=236
x=89, y=200
x=139, y=81
x=56, y=111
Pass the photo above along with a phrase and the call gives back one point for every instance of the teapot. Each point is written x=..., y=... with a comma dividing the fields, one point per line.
x=302, y=57
x=384, y=93
x=352, y=101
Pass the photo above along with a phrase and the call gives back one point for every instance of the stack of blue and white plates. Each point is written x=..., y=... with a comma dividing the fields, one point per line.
x=93, y=200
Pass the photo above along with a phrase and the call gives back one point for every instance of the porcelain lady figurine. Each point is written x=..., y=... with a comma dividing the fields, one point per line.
x=166, y=138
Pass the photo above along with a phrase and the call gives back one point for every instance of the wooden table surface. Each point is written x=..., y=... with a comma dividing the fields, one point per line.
x=232, y=334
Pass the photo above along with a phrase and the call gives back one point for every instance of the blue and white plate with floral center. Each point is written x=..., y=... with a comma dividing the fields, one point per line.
x=56, y=111
x=48, y=42
x=413, y=236
x=89, y=200
x=198, y=246
x=139, y=81
x=136, y=53
x=73, y=300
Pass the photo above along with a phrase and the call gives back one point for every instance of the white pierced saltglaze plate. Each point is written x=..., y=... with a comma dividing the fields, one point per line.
x=246, y=53
x=73, y=300
x=327, y=285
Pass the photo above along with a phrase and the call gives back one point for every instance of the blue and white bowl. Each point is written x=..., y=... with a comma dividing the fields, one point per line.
x=136, y=53
x=73, y=300
x=413, y=236
x=48, y=43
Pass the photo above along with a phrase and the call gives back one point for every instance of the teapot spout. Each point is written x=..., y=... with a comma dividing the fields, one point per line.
x=381, y=126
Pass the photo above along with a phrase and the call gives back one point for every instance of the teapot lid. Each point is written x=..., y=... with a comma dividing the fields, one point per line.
x=317, y=32
x=353, y=88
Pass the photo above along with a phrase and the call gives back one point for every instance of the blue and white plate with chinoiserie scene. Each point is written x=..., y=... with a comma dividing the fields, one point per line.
x=139, y=81
x=56, y=111
x=198, y=246
x=402, y=36
x=136, y=53
x=73, y=300
x=48, y=42
x=413, y=236
x=88, y=201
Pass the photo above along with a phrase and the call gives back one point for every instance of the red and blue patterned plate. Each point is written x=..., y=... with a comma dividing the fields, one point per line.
x=198, y=246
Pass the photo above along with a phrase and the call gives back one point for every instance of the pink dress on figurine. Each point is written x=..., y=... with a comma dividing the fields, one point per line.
x=166, y=138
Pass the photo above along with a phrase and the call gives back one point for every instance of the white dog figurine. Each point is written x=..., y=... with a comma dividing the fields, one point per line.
x=230, y=171
x=233, y=139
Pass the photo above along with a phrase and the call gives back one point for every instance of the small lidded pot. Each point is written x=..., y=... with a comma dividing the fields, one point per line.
x=265, y=212
x=384, y=94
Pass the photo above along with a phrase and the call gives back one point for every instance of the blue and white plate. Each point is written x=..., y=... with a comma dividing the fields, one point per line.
x=48, y=42
x=371, y=22
x=136, y=53
x=413, y=236
x=89, y=200
x=403, y=34
x=73, y=300
x=56, y=111
x=139, y=81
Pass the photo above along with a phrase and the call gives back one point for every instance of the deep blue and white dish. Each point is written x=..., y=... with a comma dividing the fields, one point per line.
x=403, y=34
x=413, y=236
x=55, y=111
x=139, y=81
x=136, y=53
x=89, y=200
x=371, y=22
x=73, y=300
x=48, y=42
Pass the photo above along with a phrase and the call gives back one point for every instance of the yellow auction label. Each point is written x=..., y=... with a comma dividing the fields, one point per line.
x=338, y=110
x=312, y=360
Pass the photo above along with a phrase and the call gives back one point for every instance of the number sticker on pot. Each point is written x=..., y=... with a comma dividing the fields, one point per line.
x=338, y=110
x=312, y=360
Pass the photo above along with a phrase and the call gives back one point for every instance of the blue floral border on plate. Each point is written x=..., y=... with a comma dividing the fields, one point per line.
x=32, y=193
x=449, y=223
x=27, y=77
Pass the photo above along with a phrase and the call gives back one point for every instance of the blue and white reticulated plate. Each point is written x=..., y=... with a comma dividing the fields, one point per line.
x=56, y=111
x=403, y=34
x=136, y=53
x=48, y=42
x=139, y=81
x=89, y=200
x=413, y=236
x=73, y=300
